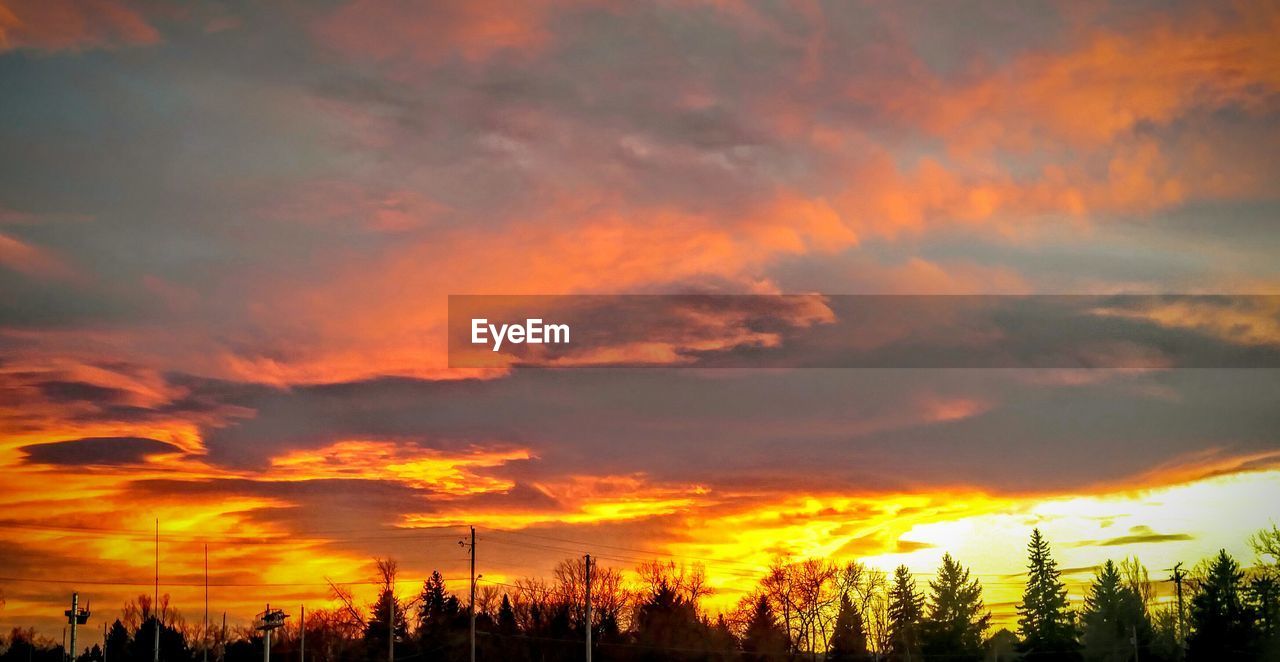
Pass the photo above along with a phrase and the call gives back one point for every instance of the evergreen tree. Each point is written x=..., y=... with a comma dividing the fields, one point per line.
x=379, y=627
x=723, y=640
x=764, y=638
x=1113, y=613
x=117, y=641
x=507, y=617
x=906, y=611
x=438, y=616
x=957, y=618
x=1221, y=626
x=1264, y=602
x=668, y=619
x=173, y=644
x=1045, y=621
x=848, y=636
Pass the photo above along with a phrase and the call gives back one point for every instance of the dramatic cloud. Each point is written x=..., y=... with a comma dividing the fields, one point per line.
x=55, y=25
x=99, y=450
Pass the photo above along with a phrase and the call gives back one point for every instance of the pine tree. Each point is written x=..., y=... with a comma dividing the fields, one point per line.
x=438, y=618
x=763, y=638
x=434, y=607
x=117, y=641
x=957, y=618
x=848, y=636
x=1221, y=625
x=1045, y=620
x=378, y=627
x=906, y=611
x=1264, y=602
x=507, y=617
x=1113, y=613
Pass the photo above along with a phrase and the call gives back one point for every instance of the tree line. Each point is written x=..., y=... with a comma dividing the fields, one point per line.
x=810, y=609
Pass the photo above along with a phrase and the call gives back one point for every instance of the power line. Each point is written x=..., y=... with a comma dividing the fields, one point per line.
x=99, y=582
x=649, y=555
x=286, y=538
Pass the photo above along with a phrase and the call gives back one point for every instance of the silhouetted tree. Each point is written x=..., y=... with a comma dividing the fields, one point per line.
x=380, y=625
x=1220, y=622
x=1264, y=591
x=91, y=654
x=723, y=642
x=1002, y=645
x=848, y=636
x=906, y=612
x=118, y=641
x=173, y=645
x=668, y=619
x=1263, y=600
x=22, y=645
x=1045, y=621
x=1112, y=613
x=763, y=638
x=957, y=618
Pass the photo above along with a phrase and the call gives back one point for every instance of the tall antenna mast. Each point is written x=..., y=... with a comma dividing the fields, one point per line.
x=155, y=605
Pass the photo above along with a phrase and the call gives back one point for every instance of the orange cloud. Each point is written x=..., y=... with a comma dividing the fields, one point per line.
x=455, y=474
x=416, y=34
x=72, y=25
x=31, y=260
x=1109, y=82
x=1242, y=321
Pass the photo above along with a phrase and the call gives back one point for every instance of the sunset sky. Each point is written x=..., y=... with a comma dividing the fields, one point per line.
x=228, y=233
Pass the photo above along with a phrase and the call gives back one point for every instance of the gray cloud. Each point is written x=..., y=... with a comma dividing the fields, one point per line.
x=97, y=451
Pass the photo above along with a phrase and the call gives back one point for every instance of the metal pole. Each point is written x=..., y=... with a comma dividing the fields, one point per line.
x=1133, y=630
x=155, y=606
x=588, y=607
x=104, y=642
x=266, y=634
x=75, y=618
x=302, y=649
x=472, y=608
x=391, y=624
x=204, y=634
x=222, y=642
x=1177, y=580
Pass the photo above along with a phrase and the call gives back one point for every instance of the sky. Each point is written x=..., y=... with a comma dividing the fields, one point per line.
x=228, y=232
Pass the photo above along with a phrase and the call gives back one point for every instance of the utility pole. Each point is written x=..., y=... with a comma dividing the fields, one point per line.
x=472, y=608
x=270, y=621
x=587, y=559
x=391, y=624
x=222, y=641
x=1178, y=576
x=204, y=634
x=155, y=606
x=75, y=616
x=1133, y=638
x=104, y=641
x=302, y=628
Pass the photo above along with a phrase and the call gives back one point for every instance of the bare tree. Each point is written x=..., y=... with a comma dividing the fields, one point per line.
x=1266, y=545
x=349, y=614
x=531, y=602
x=609, y=596
x=868, y=591
x=1138, y=580
x=689, y=581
